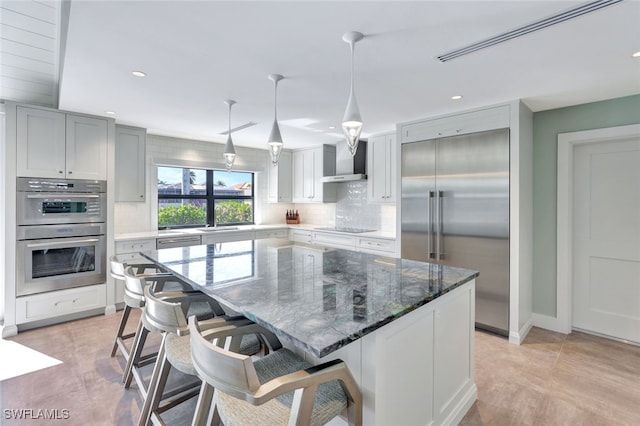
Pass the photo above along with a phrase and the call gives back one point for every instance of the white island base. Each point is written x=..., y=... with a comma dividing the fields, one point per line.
x=418, y=369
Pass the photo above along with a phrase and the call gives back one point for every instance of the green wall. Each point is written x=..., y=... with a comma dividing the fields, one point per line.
x=546, y=126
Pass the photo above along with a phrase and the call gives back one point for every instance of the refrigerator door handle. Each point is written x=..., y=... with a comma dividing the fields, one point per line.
x=432, y=254
x=440, y=248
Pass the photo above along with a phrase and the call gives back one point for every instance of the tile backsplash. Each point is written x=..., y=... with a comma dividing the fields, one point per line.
x=352, y=209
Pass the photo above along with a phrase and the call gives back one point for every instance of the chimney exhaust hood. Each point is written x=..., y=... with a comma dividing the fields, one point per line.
x=348, y=168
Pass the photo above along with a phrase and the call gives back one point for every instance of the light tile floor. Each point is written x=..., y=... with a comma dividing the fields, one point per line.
x=551, y=379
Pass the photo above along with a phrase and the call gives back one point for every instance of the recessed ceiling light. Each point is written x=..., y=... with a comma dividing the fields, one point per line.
x=139, y=73
x=332, y=127
x=456, y=97
x=636, y=55
x=110, y=112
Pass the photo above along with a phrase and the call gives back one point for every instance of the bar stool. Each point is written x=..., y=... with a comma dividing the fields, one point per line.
x=167, y=312
x=116, y=270
x=280, y=388
x=134, y=297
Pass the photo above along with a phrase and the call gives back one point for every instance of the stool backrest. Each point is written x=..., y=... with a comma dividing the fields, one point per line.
x=164, y=310
x=134, y=284
x=116, y=268
x=231, y=372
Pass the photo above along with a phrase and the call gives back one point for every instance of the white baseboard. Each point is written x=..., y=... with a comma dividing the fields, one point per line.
x=548, y=323
x=462, y=407
x=518, y=338
x=8, y=330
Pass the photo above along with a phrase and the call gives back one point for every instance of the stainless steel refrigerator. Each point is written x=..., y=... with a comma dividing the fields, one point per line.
x=455, y=211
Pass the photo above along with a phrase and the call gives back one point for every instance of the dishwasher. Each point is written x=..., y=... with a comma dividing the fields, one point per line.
x=178, y=241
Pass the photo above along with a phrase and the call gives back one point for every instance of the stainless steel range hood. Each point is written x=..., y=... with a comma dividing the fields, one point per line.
x=348, y=168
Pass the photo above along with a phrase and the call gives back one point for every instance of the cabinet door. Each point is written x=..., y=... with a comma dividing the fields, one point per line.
x=130, y=164
x=280, y=179
x=391, y=169
x=309, y=175
x=86, y=153
x=381, y=168
x=41, y=143
x=298, y=177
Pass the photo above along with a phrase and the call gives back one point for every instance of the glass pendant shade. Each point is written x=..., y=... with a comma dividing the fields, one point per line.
x=275, y=137
x=275, y=143
x=229, y=153
x=229, y=149
x=352, y=124
x=352, y=121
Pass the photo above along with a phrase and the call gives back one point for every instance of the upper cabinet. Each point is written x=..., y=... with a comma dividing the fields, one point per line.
x=54, y=144
x=130, y=161
x=381, y=168
x=280, y=179
x=309, y=166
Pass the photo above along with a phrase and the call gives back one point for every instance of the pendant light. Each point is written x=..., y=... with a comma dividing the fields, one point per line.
x=229, y=150
x=352, y=122
x=275, y=138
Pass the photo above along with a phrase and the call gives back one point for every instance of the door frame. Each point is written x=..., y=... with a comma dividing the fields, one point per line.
x=564, y=243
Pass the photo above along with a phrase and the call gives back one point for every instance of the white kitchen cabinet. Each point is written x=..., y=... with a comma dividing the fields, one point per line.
x=309, y=166
x=331, y=239
x=130, y=164
x=301, y=236
x=381, y=168
x=215, y=237
x=458, y=124
x=53, y=144
x=280, y=179
x=63, y=302
x=376, y=245
x=272, y=233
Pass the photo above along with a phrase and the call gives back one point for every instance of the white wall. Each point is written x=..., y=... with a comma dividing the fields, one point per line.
x=163, y=150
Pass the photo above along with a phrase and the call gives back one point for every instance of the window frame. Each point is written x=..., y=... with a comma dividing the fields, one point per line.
x=210, y=199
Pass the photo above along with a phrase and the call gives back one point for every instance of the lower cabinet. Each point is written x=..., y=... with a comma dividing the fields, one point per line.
x=272, y=233
x=372, y=245
x=224, y=237
x=57, y=303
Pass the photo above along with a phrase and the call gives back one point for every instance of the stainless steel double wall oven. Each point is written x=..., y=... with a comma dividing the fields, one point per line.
x=61, y=234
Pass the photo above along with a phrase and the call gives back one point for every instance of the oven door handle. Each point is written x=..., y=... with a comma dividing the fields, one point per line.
x=74, y=241
x=62, y=195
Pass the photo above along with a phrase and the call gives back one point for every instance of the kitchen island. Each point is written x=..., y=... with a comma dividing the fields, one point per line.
x=404, y=328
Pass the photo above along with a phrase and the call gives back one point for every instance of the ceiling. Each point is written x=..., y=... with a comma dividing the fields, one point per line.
x=197, y=54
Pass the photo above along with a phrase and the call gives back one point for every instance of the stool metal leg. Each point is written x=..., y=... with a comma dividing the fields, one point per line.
x=120, y=336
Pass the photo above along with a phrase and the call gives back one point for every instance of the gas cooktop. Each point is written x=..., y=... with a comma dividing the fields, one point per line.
x=346, y=229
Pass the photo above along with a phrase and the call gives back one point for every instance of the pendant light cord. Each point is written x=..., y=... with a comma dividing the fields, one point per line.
x=275, y=100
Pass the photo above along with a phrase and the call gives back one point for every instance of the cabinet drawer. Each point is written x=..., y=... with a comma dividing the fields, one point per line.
x=135, y=246
x=335, y=240
x=376, y=244
x=224, y=237
x=301, y=236
x=271, y=233
x=57, y=303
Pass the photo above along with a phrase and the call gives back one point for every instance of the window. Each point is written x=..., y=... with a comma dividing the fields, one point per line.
x=195, y=197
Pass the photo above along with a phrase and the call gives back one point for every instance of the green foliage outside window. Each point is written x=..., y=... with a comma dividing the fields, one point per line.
x=232, y=211
x=185, y=214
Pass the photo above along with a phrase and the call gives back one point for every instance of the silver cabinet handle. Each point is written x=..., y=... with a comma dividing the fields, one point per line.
x=432, y=254
x=440, y=225
x=54, y=245
x=62, y=195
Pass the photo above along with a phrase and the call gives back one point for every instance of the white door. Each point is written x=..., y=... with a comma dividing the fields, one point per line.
x=606, y=238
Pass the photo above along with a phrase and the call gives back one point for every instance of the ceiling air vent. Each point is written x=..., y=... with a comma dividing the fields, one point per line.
x=535, y=26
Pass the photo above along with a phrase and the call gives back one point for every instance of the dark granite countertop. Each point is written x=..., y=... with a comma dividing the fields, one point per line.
x=320, y=299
